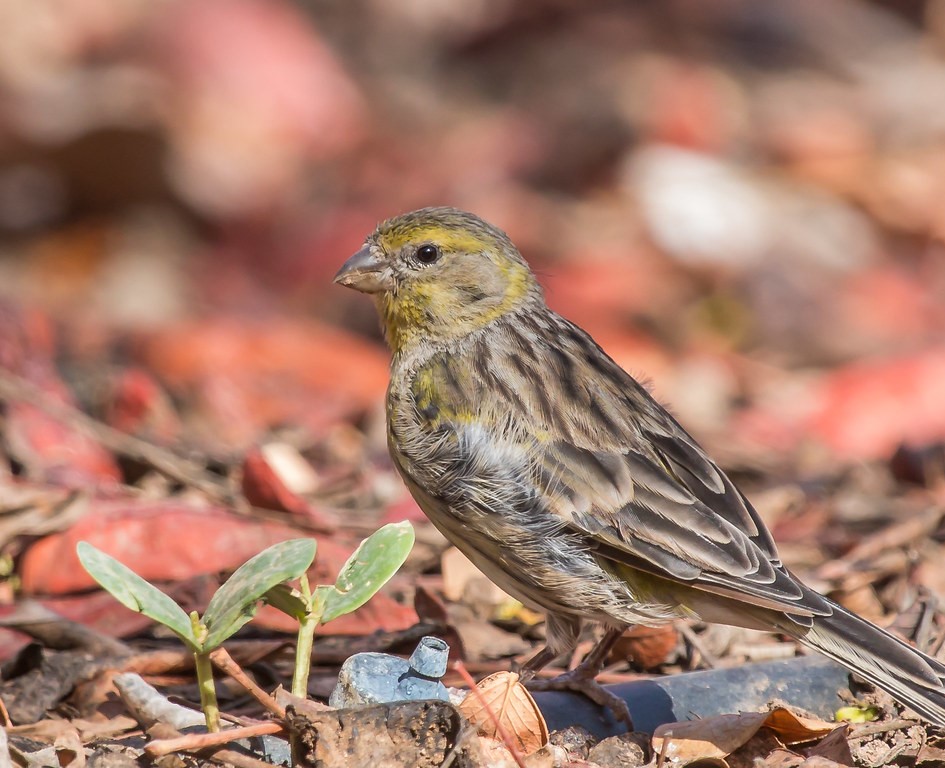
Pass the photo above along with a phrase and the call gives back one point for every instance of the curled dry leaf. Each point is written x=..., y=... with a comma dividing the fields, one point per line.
x=648, y=647
x=501, y=700
x=717, y=737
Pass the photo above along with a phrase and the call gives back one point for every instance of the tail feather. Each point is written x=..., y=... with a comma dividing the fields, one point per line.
x=910, y=676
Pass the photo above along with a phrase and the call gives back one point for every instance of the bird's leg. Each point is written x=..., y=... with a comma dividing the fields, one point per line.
x=535, y=664
x=581, y=679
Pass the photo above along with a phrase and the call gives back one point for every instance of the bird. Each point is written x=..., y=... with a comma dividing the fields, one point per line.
x=564, y=480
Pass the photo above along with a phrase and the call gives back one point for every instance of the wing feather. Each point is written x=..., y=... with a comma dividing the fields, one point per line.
x=637, y=484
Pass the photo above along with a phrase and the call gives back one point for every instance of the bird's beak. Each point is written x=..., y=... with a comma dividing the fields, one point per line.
x=365, y=272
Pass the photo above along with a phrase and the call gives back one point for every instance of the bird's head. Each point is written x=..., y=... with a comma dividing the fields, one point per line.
x=439, y=274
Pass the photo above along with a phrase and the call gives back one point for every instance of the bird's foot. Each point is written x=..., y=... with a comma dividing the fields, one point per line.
x=582, y=680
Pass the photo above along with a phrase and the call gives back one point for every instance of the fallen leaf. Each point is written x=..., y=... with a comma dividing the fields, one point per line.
x=647, y=647
x=834, y=746
x=266, y=478
x=148, y=537
x=52, y=450
x=717, y=737
x=502, y=698
x=139, y=406
x=868, y=408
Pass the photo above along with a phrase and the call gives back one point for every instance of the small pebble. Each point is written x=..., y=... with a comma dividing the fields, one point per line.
x=628, y=750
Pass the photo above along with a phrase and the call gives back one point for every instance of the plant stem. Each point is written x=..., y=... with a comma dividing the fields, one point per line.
x=303, y=655
x=307, y=625
x=208, y=694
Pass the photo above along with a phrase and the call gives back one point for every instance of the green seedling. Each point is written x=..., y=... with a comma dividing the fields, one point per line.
x=233, y=604
x=368, y=569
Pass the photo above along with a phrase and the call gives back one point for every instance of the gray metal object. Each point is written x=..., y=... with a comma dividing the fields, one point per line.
x=809, y=682
x=379, y=678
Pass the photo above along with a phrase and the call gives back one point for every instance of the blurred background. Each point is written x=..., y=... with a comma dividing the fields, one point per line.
x=741, y=200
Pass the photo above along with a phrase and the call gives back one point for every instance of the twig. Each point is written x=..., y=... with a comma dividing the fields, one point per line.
x=13, y=387
x=663, y=747
x=893, y=536
x=872, y=729
x=196, y=741
x=225, y=663
x=240, y=760
x=708, y=658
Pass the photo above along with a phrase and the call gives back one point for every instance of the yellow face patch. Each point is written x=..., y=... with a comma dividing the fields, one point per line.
x=447, y=238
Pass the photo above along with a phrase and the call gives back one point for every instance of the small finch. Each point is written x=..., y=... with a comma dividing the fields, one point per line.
x=563, y=480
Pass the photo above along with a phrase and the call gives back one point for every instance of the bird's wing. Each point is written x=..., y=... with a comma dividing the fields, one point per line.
x=611, y=462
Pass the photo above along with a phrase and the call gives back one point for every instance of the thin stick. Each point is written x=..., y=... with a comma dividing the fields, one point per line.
x=239, y=759
x=13, y=387
x=871, y=729
x=195, y=741
x=709, y=658
x=225, y=663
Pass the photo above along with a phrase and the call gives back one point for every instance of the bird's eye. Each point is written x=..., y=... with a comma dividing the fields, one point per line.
x=427, y=254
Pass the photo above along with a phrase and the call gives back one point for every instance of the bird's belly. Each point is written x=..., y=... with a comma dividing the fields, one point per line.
x=539, y=581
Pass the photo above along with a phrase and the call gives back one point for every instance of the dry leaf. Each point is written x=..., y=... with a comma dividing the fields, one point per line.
x=834, y=746
x=69, y=749
x=502, y=698
x=648, y=647
x=716, y=737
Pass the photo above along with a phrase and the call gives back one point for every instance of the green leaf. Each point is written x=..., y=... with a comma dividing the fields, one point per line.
x=235, y=602
x=370, y=567
x=288, y=600
x=129, y=589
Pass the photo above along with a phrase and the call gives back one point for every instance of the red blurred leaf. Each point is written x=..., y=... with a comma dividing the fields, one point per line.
x=139, y=406
x=256, y=95
x=161, y=541
x=381, y=613
x=263, y=56
x=99, y=611
x=262, y=486
x=53, y=451
x=866, y=409
x=689, y=105
x=405, y=509
x=250, y=376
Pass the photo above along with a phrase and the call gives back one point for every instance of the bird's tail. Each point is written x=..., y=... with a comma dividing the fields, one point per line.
x=910, y=676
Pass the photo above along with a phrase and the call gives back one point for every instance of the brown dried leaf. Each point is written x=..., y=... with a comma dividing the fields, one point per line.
x=716, y=737
x=834, y=746
x=648, y=647
x=501, y=698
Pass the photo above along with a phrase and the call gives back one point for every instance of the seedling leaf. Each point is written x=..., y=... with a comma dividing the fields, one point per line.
x=235, y=602
x=129, y=589
x=287, y=600
x=369, y=568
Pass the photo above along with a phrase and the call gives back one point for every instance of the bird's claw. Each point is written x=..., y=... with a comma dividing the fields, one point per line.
x=580, y=681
